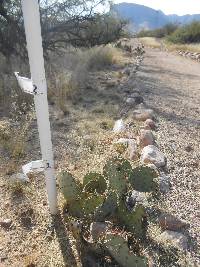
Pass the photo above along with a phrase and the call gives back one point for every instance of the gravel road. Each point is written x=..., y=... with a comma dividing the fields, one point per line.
x=171, y=86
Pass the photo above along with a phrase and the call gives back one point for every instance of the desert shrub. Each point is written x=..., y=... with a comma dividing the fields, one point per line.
x=63, y=23
x=159, y=33
x=101, y=57
x=67, y=81
x=186, y=34
x=13, y=139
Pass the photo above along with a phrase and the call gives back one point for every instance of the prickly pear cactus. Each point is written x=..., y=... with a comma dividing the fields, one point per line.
x=108, y=208
x=117, y=171
x=75, y=208
x=85, y=206
x=142, y=179
x=94, y=182
x=91, y=204
x=134, y=221
x=70, y=188
x=118, y=249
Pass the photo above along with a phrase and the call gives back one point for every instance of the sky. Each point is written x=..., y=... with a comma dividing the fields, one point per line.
x=179, y=7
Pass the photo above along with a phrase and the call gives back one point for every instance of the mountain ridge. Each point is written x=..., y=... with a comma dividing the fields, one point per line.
x=143, y=17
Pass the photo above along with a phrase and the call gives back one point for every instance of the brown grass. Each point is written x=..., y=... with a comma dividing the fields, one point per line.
x=184, y=47
x=150, y=41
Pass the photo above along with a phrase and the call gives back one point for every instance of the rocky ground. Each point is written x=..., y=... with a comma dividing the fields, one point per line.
x=82, y=139
x=170, y=84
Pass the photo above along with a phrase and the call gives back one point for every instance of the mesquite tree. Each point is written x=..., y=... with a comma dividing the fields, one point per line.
x=64, y=23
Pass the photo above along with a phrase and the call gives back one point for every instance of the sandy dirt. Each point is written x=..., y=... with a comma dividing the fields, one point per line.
x=171, y=86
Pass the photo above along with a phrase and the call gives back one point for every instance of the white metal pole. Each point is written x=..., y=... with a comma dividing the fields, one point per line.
x=32, y=25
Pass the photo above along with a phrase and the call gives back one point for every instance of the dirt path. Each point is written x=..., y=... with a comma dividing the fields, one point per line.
x=171, y=86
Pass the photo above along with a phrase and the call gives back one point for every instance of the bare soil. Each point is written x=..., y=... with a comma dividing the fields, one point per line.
x=170, y=85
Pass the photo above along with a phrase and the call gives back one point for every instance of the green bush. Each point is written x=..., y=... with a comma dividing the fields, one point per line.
x=159, y=33
x=186, y=34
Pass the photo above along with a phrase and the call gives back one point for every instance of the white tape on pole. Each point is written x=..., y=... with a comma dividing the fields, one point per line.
x=31, y=16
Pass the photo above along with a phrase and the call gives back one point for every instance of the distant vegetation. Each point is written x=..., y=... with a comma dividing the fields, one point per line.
x=159, y=33
x=186, y=34
x=178, y=35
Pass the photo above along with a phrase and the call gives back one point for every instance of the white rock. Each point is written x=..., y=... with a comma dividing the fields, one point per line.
x=142, y=114
x=151, y=154
x=130, y=101
x=174, y=239
x=119, y=126
x=146, y=138
x=136, y=197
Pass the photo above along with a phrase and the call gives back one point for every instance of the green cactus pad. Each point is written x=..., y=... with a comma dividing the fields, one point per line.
x=117, y=171
x=85, y=206
x=142, y=179
x=91, y=204
x=94, y=182
x=75, y=208
x=108, y=207
x=134, y=221
x=69, y=187
x=118, y=249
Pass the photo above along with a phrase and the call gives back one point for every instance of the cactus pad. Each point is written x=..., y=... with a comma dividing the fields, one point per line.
x=142, y=179
x=85, y=207
x=117, y=171
x=108, y=207
x=118, y=249
x=134, y=221
x=91, y=204
x=94, y=182
x=70, y=188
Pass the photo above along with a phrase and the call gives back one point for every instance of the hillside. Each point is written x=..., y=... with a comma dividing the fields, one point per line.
x=144, y=17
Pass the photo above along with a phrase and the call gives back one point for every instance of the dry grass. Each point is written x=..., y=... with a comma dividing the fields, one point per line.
x=155, y=43
x=150, y=41
x=72, y=78
x=13, y=138
x=99, y=58
x=183, y=47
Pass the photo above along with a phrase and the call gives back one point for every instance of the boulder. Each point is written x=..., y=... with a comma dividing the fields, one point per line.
x=119, y=126
x=143, y=114
x=146, y=138
x=151, y=154
x=170, y=222
x=149, y=123
x=173, y=239
x=132, y=149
